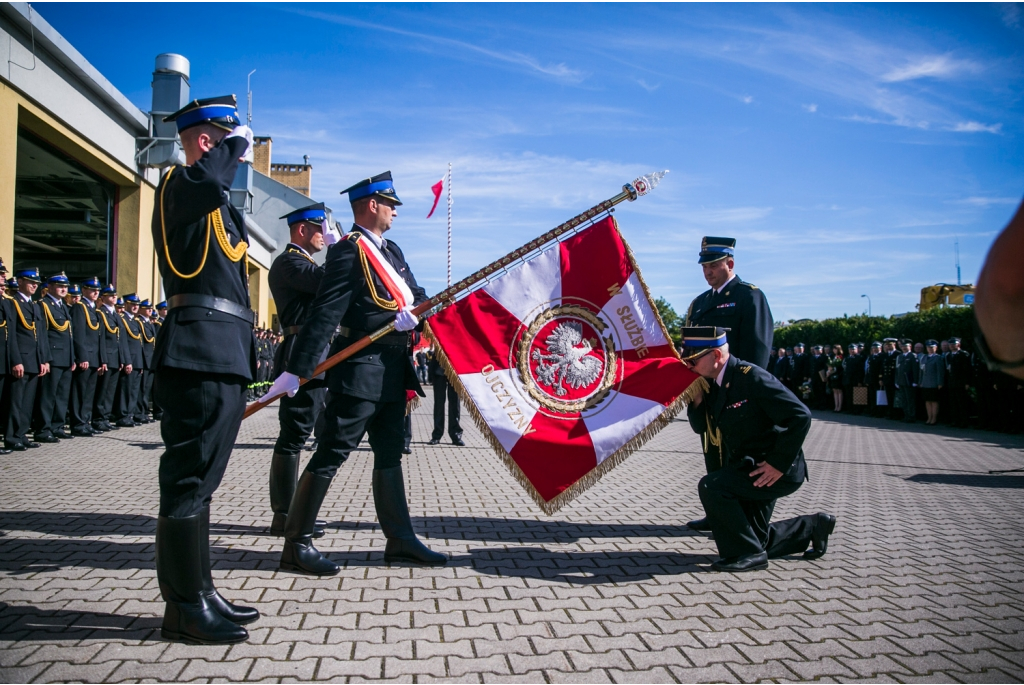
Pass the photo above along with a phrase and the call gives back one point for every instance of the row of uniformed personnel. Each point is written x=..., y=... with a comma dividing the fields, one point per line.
x=76, y=356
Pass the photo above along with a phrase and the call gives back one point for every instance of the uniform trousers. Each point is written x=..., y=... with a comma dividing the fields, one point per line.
x=346, y=420
x=145, y=393
x=128, y=395
x=890, y=394
x=740, y=515
x=106, y=390
x=297, y=417
x=83, y=394
x=202, y=414
x=445, y=390
x=959, y=406
x=23, y=395
x=52, y=401
x=908, y=403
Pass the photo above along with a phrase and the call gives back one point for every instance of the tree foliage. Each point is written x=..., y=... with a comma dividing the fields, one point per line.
x=940, y=323
x=673, y=322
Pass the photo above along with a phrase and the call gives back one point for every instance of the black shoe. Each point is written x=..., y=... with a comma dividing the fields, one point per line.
x=299, y=554
x=700, y=525
x=14, y=446
x=238, y=615
x=80, y=433
x=458, y=442
x=393, y=515
x=125, y=423
x=107, y=426
x=189, y=616
x=32, y=445
x=4, y=450
x=98, y=428
x=434, y=441
x=48, y=439
x=823, y=527
x=406, y=450
x=63, y=435
x=751, y=562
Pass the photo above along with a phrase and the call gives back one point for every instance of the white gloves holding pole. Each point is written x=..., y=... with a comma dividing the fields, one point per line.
x=286, y=383
x=406, y=320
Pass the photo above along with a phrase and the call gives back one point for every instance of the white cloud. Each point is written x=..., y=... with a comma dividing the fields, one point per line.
x=812, y=108
x=647, y=86
x=1011, y=14
x=984, y=202
x=747, y=99
x=975, y=127
x=929, y=67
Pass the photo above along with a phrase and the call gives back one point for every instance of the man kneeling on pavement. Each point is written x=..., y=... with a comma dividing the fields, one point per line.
x=759, y=428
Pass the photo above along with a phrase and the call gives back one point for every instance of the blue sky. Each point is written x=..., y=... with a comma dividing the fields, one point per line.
x=846, y=146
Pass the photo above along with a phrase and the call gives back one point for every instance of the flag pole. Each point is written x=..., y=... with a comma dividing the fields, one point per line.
x=449, y=223
x=631, y=191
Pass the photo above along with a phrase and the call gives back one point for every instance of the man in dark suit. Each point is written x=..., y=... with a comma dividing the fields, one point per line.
x=819, y=371
x=148, y=346
x=907, y=373
x=294, y=279
x=367, y=286
x=444, y=391
x=783, y=367
x=8, y=340
x=732, y=304
x=131, y=380
x=114, y=360
x=203, y=361
x=853, y=376
x=743, y=411
x=87, y=339
x=55, y=387
x=31, y=362
x=958, y=380
x=801, y=370
x=873, y=379
x=890, y=357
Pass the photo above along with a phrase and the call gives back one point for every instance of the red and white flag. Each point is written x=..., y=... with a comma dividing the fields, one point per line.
x=436, y=189
x=564, y=363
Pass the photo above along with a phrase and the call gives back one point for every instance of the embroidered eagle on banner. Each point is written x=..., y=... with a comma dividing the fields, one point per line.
x=569, y=361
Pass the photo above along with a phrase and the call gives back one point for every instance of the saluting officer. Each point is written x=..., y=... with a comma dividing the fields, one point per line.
x=366, y=286
x=294, y=280
x=31, y=361
x=731, y=303
x=114, y=358
x=85, y=323
x=131, y=377
x=55, y=387
x=204, y=359
x=743, y=411
x=8, y=341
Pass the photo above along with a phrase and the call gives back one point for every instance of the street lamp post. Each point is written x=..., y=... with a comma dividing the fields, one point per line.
x=869, y=304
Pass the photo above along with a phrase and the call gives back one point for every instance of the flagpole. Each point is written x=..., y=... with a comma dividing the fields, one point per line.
x=449, y=224
x=631, y=191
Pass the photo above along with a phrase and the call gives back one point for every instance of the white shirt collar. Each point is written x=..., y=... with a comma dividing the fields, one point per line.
x=718, y=290
x=721, y=375
x=55, y=299
x=110, y=309
x=299, y=248
x=24, y=297
x=379, y=241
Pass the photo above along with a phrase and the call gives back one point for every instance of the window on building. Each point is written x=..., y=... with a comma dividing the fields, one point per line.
x=63, y=214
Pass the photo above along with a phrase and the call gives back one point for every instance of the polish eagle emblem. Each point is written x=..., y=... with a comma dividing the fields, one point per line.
x=569, y=361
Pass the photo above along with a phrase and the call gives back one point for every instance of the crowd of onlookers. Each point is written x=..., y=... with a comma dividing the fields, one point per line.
x=932, y=382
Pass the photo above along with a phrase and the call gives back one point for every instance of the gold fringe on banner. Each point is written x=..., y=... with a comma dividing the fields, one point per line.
x=412, y=405
x=551, y=506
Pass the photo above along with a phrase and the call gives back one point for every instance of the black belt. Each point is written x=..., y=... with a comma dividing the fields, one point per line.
x=291, y=330
x=210, y=302
x=396, y=339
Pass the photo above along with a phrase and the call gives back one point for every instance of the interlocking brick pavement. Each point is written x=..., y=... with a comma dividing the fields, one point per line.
x=924, y=579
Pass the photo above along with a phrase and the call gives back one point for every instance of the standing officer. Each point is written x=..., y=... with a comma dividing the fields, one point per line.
x=128, y=388
x=55, y=387
x=907, y=372
x=873, y=378
x=853, y=376
x=958, y=379
x=158, y=323
x=31, y=361
x=148, y=345
x=113, y=360
x=739, y=307
x=73, y=297
x=204, y=359
x=890, y=356
x=819, y=371
x=85, y=323
x=443, y=390
x=366, y=286
x=743, y=410
x=294, y=279
x=8, y=341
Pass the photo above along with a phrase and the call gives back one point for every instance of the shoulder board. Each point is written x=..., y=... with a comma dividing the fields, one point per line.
x=353, y=236
x=741, y=282
x=745, y=369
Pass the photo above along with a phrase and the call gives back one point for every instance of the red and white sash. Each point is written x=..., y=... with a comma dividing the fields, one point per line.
x=395, y=284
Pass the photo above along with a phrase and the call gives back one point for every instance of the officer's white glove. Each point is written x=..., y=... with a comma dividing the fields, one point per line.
x=243, y=132
x=406, y=320
x=331, y=233
x=285, y=383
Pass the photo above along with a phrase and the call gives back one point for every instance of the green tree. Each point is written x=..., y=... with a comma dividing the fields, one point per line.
x=673, y=322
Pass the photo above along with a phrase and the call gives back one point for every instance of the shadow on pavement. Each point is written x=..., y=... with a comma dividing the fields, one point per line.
x=72, y=524
x=20, y=622
x=526, y=531
x=974, y=481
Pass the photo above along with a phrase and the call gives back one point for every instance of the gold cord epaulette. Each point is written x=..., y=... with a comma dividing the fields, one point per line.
x=390, y=305
x=51, y=322
x=301, y=254
x=233, y=253
x=106, y=324
x=163, y=232
x=21, y=317
x=88, y=319
x=146, y=338
x=129, y=329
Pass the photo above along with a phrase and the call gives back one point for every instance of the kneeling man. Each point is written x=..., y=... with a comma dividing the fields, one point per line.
x=760, y=428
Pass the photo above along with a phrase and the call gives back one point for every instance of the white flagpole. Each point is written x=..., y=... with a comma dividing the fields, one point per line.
x=449, y=224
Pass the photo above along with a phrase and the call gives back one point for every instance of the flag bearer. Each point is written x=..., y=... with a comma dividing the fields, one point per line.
x=204, y=359
x=367, y=285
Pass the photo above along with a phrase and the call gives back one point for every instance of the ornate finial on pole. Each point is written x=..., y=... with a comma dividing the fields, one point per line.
x=644, y=184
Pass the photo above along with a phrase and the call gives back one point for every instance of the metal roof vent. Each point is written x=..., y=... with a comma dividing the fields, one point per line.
x=170, y=93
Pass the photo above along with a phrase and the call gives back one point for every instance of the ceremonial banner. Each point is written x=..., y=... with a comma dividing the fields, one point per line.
x=564, y=363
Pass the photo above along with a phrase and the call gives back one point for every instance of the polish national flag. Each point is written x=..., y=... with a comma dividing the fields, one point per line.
x=436, y=188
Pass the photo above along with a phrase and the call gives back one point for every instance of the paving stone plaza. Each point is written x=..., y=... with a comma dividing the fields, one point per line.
x=924, y=579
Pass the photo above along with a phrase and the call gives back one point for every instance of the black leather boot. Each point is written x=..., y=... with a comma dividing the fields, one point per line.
x=284, y=471
x=188, y=617
x=299, y=554
x=393, y=515
x=232, y=612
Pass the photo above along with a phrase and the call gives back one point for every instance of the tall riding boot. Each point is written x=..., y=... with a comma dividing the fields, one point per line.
x=299, y=554
x=189, y=616
x=393, y=515
x=284, y=471
x=232, y=612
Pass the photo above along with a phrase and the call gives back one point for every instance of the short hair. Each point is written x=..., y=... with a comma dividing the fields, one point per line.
x=192, y=133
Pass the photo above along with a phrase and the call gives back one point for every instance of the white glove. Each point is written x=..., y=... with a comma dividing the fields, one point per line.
x=406, y=320
x=285, y=383
x=243, y=132
x=331, y=233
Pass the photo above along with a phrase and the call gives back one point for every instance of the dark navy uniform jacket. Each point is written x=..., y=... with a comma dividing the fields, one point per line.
x=87, y=329
x=132, y=336
x=294, y=279
x=149, y=330
x=745, y=411
x=9, y=339
x=33, y=348
x=743, y=309
x=61, y=343
x=113, y=348
x=354, y=297
x=202, y=262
